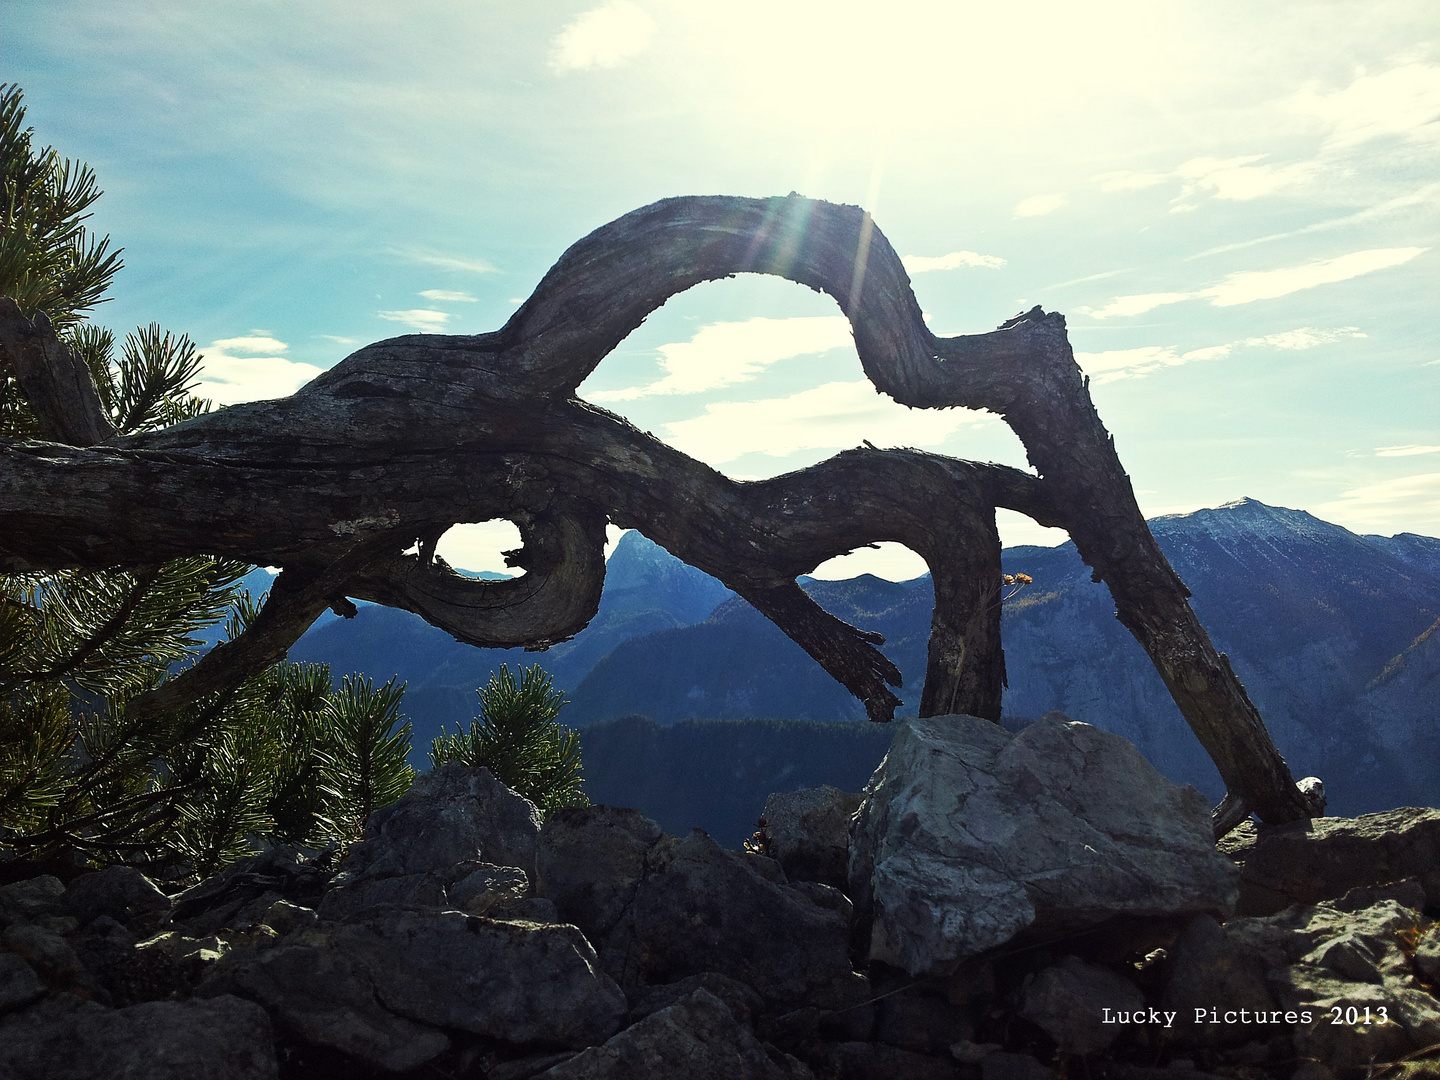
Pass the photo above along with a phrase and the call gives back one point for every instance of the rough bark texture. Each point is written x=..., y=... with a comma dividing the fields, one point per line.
x=411, y=435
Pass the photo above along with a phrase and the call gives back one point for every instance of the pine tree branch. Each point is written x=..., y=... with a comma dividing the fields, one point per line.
x=145, y=578
x=296, y=599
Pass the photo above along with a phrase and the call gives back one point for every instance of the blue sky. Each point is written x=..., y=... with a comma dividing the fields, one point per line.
x=1236, y=206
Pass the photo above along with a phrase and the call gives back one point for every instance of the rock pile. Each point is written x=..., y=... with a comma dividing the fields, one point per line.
x=993, y=906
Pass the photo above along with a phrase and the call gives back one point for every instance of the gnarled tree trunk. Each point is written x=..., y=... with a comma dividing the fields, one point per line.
x=411, y=435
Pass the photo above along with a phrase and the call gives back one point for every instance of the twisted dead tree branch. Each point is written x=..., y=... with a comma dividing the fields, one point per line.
x=408, y=436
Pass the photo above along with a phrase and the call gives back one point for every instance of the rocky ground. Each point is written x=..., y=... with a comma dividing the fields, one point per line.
x=997, y=906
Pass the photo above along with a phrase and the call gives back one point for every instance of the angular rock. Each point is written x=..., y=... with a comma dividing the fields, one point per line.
x=1427, y=957
x=1211, y=968
x=324, y=997
x=1324, y=858
x=358, y=896
x=284, y=917
x=376, y=989
x=527, y=1067
x=810, y=833
x=19, y=985
x=488, y=885
x=1003, y=1066
x=590, y=861
x=701, y=908
x=239, y=896
x=516, y=982
x=1187, y=1071
x=1306, y=959
x=450, y=817
x=925, y=1023
x=969, y=835
x=121, y=892
x=742, y=1001
x=63, y=1039
x=52, y=957
x=877, y=1061
x=31, y=898
x=826, y=896
x=531, y=909
x=696, y=1038
x=1076, y=1004
x=128, y=972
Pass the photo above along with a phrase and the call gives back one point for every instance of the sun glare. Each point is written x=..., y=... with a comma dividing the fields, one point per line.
x=863, y=67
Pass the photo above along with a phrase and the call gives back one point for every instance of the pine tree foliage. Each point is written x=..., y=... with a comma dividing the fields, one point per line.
x=363, y=763
x=518, y=738
x=49, y=260
x=280, y=758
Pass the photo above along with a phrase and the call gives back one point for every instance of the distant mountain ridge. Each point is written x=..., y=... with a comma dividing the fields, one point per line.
x=1335, y=635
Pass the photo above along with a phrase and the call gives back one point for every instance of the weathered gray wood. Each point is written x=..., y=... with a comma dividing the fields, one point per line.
x=55, y=381
x=410, y=435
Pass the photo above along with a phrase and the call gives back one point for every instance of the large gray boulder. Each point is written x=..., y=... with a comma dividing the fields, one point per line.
x=61, y=1038
x=810, y=833
x=969, y=835
x=380, y=988
x=453, y=821
x=696, y=1038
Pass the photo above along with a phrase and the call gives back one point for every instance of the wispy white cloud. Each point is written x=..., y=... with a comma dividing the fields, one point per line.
x=603, y=37
x=1136, y=304
x=1401, y=103
x=1404, y=102
x=1239, y=178
x=1427, y=195
x=444, y=260
x=340, y=340
x=426, y=320
x=1305, y=337
x=1401, y=504
x=451, y=295
x=1236, y=178
x=922, y=264
x=228, y=379
x=1131, y=181
x=1247, y=286
x=827, y=417
x=724, y=353
x=1039, y=205
x=1115, y=364
x=1405, y=451
x=251, y=343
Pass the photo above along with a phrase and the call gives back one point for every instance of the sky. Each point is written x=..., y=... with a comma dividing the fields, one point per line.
x=1236, y=206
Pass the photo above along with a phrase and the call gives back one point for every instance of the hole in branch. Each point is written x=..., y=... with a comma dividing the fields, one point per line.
x=475, y=548
x=891, y=561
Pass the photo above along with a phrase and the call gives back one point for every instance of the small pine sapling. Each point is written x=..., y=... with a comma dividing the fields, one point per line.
x=518, y=738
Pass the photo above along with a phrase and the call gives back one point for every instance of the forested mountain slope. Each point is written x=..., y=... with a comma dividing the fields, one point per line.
x=1334, y=634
